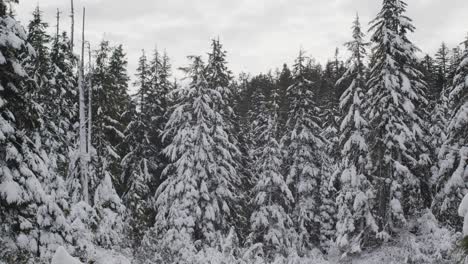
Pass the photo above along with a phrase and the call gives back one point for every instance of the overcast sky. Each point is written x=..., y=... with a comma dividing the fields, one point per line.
x=258, y=34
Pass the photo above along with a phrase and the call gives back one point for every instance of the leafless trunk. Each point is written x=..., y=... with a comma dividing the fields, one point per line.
x=90, y=102
x=58, y=25
x=83, y=153
x=72, y=37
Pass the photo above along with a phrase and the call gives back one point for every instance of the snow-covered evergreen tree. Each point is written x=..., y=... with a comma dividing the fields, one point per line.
x=304, y=146
x=195, y=203
x=396, y=94
x=271, y=227
x=143, y=164
x=355, y=221
x=110, y=101
x=453, y=155
x=53, y=72
x=109, y=213
x=156, y=112
x=219, y=77
x=21, y=163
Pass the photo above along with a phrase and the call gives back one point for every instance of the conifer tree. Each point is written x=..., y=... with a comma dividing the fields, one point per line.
x=110, y=82
x=110, y=100
x=271, y=226
x=22, y=164
x=355, y=221
x=396, y=94
x=453, y=155
x=304, y=146
x=142, y=164
x=39, y=39
x=219, y=78
x=195, y=203
x=157, y=111
x=442, y=63
x=285, y=80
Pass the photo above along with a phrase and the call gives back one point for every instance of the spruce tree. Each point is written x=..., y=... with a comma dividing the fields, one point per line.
x=304, y=147
x=156, y=111
x=144, y=162
x=285, y=80
x=109, y=79
x=442, y=63
x=453, y=155
x=355, y=221
x=396, y=94
x=110, y=82
x=271, y=226
x=219, y=78
x=195, y=203
x=22, y=164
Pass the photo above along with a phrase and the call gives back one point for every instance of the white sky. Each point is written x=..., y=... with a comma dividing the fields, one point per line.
x=258, y=34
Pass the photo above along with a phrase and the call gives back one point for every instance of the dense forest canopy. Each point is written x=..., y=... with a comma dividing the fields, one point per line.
x=363, y=159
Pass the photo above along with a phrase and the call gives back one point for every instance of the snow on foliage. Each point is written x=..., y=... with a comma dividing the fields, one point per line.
x=452, y=171
x=355, y=217
x=304, y=146
x=396, y=86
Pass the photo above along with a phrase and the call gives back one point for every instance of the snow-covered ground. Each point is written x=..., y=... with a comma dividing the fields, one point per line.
x=101, y=257
x=424, y=242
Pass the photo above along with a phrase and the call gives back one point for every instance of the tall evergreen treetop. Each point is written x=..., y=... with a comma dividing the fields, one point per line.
x=39, y=39
x=196, y=201
x=271, y=225
x=396, y=94
x=453, y=155
x=355, y=216
x=24, y=204
x=303, y=146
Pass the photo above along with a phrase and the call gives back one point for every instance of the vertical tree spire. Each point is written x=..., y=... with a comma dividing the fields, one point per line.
x=355, y=217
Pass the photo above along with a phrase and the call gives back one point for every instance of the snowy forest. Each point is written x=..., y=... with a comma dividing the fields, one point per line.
x=363, y=160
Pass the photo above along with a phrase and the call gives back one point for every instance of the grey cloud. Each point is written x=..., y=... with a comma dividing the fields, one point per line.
x=258, y=34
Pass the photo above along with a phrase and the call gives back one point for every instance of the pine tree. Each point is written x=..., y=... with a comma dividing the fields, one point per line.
x=39, y=39
x=110, y=82
x=271, y=225
x=396, y=94
x=65, y=107
x=285, y=80
x=21, y=164
x=442, y=64
x=157, y=111
x=109, y=215
x=195, y=204
x=355, y=221
x=304, y=146
x=109, y=79
x=453, y=155
x=219, y=78
x=142, y=165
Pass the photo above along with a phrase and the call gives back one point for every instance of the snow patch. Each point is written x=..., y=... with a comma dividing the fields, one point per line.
x=62, y=257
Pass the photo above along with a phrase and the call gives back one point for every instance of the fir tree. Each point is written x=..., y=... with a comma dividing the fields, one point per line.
x=271, y=225
x=22, y=164
x=110, y=82
x=285, y=80
x=442, y=64
x=156, y=111
x=396, y=92
x=195, y=204
x=303, y=147
x=141, y=165
x=355, y=221
x=453, y=155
